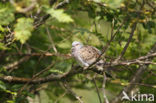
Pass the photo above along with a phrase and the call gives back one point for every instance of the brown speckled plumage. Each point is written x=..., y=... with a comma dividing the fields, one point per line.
x=85, y=55
x=89, y=54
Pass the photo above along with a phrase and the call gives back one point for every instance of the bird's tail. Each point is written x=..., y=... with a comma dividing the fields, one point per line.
x=100, y=67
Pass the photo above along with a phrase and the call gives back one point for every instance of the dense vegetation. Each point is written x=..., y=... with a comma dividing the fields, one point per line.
x=35, y=41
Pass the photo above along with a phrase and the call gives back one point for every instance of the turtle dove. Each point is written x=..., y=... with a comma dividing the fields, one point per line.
x=85, y=55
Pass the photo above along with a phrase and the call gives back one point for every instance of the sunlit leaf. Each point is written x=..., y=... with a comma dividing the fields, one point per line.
x=2, y=86
x=23, y=29
x=60, y=15
x=113, y=3
x=56, y=71
x=1, y=28
x=3, y=47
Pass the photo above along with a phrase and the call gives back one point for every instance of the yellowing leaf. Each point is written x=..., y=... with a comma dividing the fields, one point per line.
x=23, y=29
x=154, y=86
x=60, y=15
x=113, y=3
x=64, y=45
x=124, y=84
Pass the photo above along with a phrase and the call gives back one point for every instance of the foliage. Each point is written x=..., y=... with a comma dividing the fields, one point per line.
x=23, y=29
x=6, y=14
x=60, y=15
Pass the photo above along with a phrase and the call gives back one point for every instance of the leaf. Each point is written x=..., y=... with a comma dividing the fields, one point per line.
x=3, y=47
x=154, y=86
x=2, y=86
x=56, y=71
x=60, y=15
x=113, y=3
x=6, y=14
x=64, y=45
x=23, y=29
x=1, y=28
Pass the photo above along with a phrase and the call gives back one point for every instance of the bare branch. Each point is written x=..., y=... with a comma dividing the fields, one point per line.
x=74, y=70
x=35, y=76
x=51, y=40
x=103, y=88
x=27, y=9
x=46, y=54
x=128, y=42
x=72, y=92
x=136, y=78
x=108, y=44
x=14, y=64
x=97, y=90
x=136, y=62
x=51, y=77
x=56, y=101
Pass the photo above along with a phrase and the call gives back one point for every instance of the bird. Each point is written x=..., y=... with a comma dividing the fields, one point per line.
x=85, y=55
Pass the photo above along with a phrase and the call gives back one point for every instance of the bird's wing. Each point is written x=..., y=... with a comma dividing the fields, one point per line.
x=89, y=54
x=72, y=51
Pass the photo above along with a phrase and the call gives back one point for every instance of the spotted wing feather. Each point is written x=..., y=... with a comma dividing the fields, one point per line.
x=89, y=54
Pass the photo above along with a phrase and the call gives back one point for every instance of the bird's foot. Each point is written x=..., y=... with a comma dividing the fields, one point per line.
x=85, y=68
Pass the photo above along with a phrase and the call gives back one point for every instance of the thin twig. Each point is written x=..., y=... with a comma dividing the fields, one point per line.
x=27, y=9
x=97, y=90
x=56, y=101
x=128, y=42
x=103, y=88
x=75, y=70
x=135, y=79
x=65, y=84
x=46, y=54
x=42, y=20
x=35, y=76
x=108, y=44
x=51, y=40
x=16, y=63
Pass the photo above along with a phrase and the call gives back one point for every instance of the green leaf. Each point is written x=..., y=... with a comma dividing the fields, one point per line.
x=60, y=15
x=113, y=3
x=23, y=29
x=1, y=28
x=56, y=71
x=2, y=86
x=6, y=14
x=3, y=47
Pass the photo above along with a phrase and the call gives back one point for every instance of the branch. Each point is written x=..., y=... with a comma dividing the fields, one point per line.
x=74, y=70
x=41, y=20
x=136, y=78
x=136, y=61
x=51, y=40
x=72, y=92
x=131, y=34
x=128, y=42
x=14, y=64
x=61, y=96
x=27, y=9
x=108, y=44
x=97, y=89
x=103, y=88
x=46, y=54
x=51, y=77
x=35, y=76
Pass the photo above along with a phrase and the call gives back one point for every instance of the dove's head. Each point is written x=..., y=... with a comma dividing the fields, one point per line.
x=77, y=44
